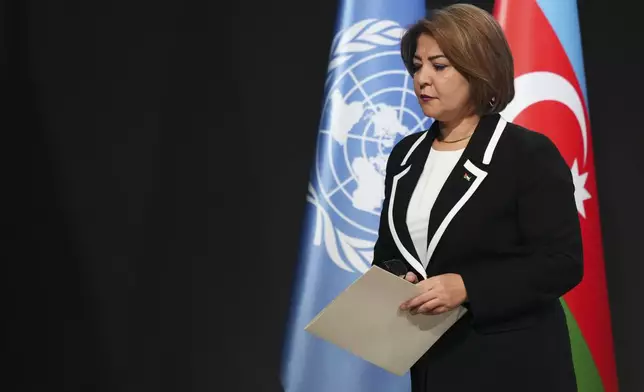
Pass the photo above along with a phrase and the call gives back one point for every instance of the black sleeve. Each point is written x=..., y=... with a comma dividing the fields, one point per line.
x=385, y=248
x=551, y=260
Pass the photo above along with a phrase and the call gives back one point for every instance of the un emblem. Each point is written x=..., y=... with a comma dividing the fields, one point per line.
x=369, y=106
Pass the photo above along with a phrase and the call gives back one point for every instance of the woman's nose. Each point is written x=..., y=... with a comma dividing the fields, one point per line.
x=424, y=76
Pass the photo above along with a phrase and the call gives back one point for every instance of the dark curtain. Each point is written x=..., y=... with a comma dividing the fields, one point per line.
x=157, y=154
x=156, y=157
x=610, y=33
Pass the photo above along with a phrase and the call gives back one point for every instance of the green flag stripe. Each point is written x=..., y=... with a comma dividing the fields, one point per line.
x=588, y=379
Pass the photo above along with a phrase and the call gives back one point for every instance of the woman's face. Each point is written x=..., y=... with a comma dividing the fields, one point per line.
x=443, y=92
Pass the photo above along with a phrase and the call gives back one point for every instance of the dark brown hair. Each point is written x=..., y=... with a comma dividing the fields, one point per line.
x=475, y=45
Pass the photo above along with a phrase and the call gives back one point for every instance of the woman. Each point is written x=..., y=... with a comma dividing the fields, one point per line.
x=482, y=212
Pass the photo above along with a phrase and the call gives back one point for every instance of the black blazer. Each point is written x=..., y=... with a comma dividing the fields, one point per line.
x=506, y=221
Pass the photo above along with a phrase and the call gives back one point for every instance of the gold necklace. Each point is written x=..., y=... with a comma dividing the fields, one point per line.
x=457, y=140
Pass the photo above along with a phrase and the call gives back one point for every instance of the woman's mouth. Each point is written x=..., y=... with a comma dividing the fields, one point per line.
x=426, y=98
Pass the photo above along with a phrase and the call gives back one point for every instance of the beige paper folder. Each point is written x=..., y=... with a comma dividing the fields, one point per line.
x=365, y=320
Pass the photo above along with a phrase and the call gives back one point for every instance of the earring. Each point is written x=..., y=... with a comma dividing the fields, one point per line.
x=492, y=101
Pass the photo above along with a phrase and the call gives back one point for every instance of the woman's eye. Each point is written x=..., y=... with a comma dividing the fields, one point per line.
x=416, y=67
x=440, y=67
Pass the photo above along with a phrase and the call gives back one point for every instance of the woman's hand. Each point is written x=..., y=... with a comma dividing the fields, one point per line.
x=442, y=293
x=411, y=277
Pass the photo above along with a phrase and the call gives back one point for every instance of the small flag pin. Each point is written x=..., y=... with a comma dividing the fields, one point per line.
x=467, y=177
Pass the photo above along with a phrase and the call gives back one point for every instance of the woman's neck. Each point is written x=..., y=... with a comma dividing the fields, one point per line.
x=454, y=135
x=457, y=129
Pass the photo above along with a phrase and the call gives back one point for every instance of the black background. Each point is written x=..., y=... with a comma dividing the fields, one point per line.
x=156, y=157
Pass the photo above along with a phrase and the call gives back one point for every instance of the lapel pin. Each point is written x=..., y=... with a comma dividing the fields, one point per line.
x=467, y=177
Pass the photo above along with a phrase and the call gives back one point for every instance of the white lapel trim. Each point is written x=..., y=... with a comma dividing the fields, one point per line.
x=480, y=176
x=491, y=146
x=413, y=147
x=408, y=256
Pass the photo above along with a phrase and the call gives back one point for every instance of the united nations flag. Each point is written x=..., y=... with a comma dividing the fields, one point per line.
x=369, y=106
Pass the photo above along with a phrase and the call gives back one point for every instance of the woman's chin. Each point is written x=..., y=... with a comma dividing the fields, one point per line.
x=430, y=112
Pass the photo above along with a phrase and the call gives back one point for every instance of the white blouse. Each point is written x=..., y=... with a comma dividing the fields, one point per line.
x=437, y=168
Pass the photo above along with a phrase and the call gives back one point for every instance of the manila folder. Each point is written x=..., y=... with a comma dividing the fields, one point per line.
x=365, y=319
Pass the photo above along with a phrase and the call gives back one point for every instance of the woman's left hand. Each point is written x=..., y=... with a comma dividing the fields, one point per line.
x=442, y=293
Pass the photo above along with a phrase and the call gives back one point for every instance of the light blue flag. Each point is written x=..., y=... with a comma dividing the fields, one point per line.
x=369, y=105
